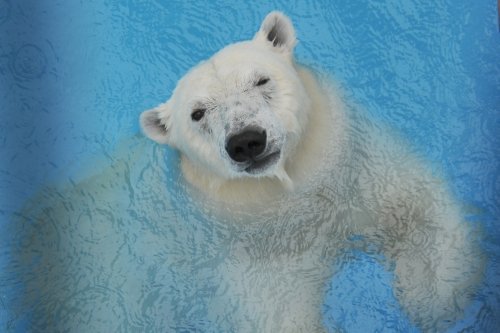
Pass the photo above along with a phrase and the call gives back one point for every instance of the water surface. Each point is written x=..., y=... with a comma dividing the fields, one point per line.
x=76, y=75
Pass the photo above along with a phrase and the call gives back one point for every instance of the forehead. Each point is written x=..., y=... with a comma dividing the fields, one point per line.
x=230, y=70
x=231, y=66
x=242, y=59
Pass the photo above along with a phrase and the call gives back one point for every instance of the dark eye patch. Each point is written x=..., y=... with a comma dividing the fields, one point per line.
x=262, y=81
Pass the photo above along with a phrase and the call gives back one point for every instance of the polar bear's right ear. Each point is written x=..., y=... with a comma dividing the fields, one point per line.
x=277, y=31
x=155, y=123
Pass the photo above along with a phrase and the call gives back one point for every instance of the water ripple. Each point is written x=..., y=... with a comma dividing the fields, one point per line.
x=29, y=62
x=4, y=11
x=128, y=249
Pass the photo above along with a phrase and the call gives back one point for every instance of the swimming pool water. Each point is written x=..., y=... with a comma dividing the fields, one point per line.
x=75, y=76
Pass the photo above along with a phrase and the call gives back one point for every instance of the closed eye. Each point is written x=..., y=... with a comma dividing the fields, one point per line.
x=262, y=81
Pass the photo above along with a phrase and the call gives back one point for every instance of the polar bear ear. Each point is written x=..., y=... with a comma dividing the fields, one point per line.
x=277, y=31
x=155, y=124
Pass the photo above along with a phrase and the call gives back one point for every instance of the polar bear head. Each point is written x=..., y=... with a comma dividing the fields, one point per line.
x=241, y=113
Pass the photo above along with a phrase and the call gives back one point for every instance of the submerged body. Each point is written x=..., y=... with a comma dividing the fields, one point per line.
x=262, y=264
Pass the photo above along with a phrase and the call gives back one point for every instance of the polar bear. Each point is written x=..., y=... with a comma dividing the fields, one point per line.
x=260, y=134
x=283, y=179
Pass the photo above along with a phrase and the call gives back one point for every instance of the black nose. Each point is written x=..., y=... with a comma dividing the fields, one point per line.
x=247, y=145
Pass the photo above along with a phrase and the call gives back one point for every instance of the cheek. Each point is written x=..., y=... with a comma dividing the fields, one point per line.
x=290, y=122
x=292, y=107
x=201, y=146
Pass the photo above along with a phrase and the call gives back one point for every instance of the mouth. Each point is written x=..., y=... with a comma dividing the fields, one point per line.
x=262, y=163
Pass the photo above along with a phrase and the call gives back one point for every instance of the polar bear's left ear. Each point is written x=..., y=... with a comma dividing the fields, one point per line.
x=277, y=31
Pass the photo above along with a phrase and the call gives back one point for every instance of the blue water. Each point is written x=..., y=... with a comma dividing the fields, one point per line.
x=75, y=76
